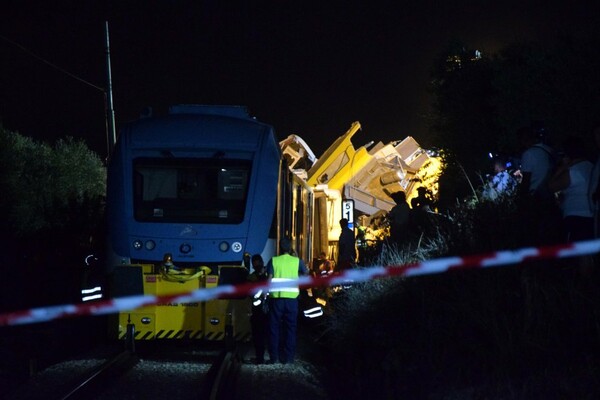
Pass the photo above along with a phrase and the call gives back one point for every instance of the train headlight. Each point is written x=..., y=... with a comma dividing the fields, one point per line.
x=223, y=246
x=150, y=245
x=137, y=244
x=236, y=247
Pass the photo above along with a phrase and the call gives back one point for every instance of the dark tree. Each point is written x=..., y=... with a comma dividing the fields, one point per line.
x=48, y=188
x=480, y=102
x=557, y=83
x=463, y=119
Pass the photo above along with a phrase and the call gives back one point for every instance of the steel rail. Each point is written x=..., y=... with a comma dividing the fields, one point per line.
x=121, y=362
x=222, y=376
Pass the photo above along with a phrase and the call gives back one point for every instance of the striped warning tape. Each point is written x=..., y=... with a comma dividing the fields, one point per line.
x=436, y=266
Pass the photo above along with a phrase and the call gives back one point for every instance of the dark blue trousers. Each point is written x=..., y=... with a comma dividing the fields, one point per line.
x=259, y=322
x=283, y=318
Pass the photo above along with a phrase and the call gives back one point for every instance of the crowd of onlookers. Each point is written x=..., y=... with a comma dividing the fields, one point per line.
x=556, y=188
x=556, y=180
x=559, y=180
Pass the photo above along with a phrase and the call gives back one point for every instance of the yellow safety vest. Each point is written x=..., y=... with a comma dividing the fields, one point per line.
x=285, y=268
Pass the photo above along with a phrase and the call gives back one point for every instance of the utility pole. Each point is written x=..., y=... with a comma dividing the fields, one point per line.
x=111, y=134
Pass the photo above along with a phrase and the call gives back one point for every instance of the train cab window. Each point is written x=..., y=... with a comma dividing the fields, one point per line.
x=190, y=190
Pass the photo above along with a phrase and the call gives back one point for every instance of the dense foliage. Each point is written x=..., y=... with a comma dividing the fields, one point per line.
x=515, y=332
x=48, y=188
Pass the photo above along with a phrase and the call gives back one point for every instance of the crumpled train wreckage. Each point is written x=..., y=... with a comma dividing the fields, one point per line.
x=368, y=176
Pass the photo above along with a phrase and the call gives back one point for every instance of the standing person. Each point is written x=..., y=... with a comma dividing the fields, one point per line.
x=259, y=320
x=283, y=303
x=399, y=218
x=537, y=162
x=423, y=201
x=572, y=179
x=422, y=207
x=346, y=247
x=536, y=200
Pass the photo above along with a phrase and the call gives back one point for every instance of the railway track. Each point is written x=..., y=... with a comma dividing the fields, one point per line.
x=92, y=382
x=222, y=377
x=181, y=373
x=159, y=370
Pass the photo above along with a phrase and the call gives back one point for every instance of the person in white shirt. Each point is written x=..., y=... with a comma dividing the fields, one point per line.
x=572, y=179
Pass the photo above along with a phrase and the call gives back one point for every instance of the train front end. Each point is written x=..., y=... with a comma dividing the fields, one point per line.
x=189, y=194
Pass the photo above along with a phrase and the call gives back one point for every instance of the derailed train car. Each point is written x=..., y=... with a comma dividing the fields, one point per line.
x=188, y=195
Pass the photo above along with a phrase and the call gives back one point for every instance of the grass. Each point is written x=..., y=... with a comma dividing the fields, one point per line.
x=516, y=332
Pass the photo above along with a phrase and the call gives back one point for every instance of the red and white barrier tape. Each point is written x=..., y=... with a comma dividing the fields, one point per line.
x=428, y=267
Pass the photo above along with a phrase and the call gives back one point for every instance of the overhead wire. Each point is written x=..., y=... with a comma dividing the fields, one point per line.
x=51, y=64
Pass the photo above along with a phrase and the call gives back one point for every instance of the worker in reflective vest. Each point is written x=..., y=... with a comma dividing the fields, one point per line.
x=283, y=309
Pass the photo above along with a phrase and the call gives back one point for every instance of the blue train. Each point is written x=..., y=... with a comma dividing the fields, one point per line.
x=189, y=194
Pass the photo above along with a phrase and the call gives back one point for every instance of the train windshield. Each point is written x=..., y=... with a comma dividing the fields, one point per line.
x=190, y=190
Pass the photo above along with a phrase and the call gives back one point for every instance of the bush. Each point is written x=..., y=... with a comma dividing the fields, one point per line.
x=526, y=331
x=48, y=188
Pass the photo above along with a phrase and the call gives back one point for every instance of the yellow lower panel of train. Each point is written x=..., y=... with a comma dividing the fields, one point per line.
x=192, y=320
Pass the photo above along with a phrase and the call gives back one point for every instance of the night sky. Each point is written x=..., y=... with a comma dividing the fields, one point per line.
x=309, y=68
